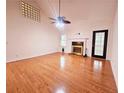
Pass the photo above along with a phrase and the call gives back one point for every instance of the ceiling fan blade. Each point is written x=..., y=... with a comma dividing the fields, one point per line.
x=53, y=22
x=52, y=18
x=67, y=22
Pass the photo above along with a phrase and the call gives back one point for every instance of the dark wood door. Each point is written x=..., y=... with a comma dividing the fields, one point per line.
x=99, y=43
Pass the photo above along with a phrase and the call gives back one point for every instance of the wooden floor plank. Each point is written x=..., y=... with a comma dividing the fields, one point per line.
x=57, y=73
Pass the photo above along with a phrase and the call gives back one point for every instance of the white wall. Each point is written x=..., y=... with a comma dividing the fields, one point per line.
x=27, y=38
x=114, y=48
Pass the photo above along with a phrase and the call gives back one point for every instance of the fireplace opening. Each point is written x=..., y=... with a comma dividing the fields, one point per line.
x=77, y=48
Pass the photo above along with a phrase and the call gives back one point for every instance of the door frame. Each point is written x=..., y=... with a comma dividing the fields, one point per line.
x=105, y=43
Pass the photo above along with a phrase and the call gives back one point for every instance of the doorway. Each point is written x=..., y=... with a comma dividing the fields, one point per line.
x=99, y=43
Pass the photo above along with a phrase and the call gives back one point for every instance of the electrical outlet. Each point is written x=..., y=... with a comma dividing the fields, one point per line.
x=7, y=43
x=16, y=55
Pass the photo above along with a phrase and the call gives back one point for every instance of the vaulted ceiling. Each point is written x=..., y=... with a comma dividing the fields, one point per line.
x=80, y=10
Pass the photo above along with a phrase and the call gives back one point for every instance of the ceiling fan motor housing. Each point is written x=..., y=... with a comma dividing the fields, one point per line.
x=60, y=19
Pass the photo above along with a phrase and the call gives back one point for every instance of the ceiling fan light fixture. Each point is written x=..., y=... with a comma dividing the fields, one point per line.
x=59, y=24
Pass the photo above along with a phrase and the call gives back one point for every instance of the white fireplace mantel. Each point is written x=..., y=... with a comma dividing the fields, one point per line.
x=81, y=39
x=68, y=48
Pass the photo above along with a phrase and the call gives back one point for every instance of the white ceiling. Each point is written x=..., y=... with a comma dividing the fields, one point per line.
x=77, y=10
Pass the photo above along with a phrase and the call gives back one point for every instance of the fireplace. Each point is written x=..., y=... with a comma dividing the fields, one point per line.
x=77, y=48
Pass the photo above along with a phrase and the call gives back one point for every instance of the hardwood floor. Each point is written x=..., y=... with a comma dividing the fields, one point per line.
x=56, y=73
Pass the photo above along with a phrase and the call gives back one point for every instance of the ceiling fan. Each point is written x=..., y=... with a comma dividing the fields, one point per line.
x=59, y=19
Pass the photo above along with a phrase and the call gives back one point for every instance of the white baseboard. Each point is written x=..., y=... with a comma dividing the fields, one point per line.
x=21, y=57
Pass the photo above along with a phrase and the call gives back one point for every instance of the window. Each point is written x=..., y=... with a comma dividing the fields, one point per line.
x=29, y=11
x=99, y=43
x=63, y=40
